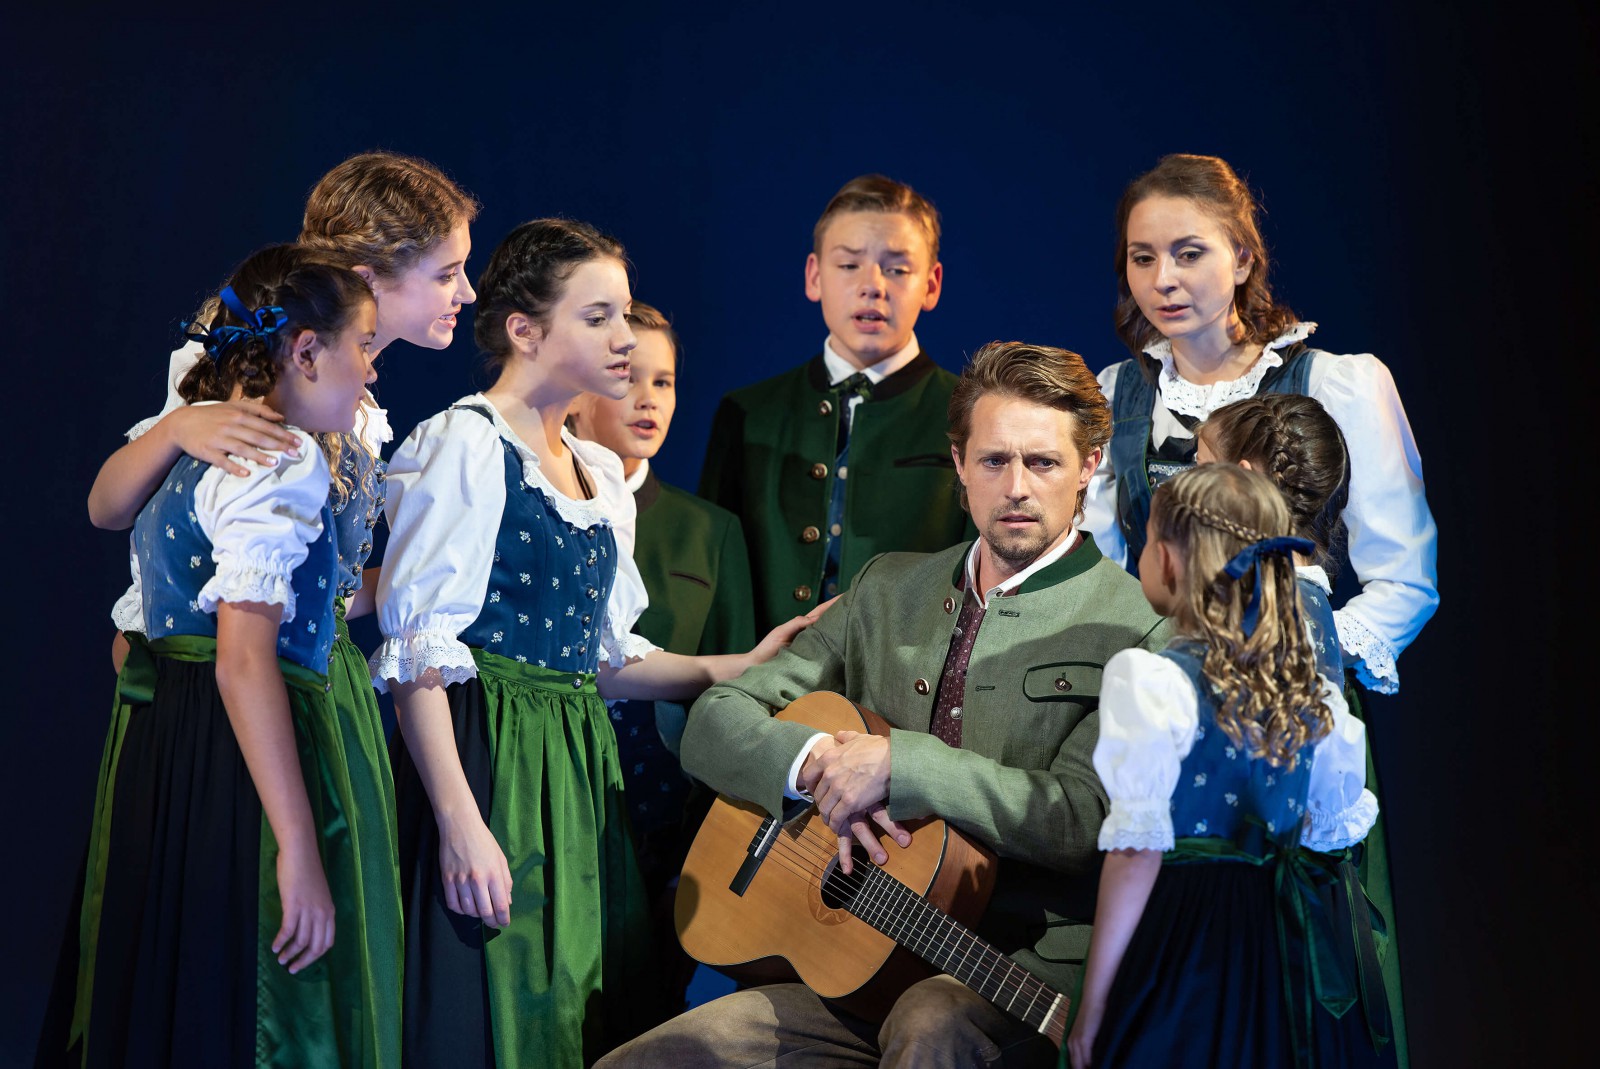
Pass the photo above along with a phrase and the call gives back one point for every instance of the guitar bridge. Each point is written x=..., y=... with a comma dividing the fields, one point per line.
x=761, y=843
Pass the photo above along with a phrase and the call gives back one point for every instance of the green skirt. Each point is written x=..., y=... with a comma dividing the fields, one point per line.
x=168, y=973
x=570, y=976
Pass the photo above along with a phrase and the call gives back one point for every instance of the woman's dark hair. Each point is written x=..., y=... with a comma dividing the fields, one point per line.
x=313, y=294
x=1291, y=439
x=1216, y=190
x=527, y=273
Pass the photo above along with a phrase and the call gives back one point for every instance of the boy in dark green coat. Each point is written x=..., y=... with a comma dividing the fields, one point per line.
x=845, y=457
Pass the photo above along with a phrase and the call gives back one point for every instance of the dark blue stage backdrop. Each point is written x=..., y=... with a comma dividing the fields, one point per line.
x=1415, y=208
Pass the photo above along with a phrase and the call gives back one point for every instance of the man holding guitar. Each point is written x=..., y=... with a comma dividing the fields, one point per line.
x=985, y=660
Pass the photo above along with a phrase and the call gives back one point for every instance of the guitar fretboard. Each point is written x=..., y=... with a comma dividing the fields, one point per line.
x=949, y=946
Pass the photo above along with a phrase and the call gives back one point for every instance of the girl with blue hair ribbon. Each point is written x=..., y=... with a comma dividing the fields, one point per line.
x=228, y=872
x=402, y=225
x=1215, y=939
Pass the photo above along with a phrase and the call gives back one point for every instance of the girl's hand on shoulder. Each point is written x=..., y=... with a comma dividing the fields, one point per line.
x=477, y=879
x=784, y=633
x=307, y=930
x=217, y=433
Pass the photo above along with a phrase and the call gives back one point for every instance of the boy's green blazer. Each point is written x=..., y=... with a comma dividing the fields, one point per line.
x=771, y=462
x=1023, y=781
x=692, y=558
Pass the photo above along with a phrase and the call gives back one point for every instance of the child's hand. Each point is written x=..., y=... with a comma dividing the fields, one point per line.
x=240, y=428
x=782, y=635
x=1080, y=1044
x=307, y=930
x=477, y=880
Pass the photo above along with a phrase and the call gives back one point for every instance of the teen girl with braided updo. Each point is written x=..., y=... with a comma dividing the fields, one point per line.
x=1221, y=757
x=230, y=834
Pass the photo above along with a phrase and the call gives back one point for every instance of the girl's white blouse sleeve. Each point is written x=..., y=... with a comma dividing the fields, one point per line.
x=1100, y=500
x=446, y=492
x=1392, y=537
x=1148, y=717
x=618, y=643
x=1339, y=808
x=261, y=526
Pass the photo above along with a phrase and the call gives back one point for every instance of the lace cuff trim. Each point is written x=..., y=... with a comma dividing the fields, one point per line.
x=1374, y=657
x=404, y=658
x=591, y=512
x=618, y=652
x=1145, y=825
x=1336, y=831
x=1191, y=399
x=243, y=583
x=128, y=613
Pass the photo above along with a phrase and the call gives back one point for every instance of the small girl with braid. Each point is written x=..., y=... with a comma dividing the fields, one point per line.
x=1295, y=442
x=1222, y=756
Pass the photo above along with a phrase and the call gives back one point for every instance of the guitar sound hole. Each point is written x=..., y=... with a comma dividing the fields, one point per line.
x=838, y=890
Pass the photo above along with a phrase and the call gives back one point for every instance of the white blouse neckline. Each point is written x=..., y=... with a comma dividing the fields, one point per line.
x=1193, y=399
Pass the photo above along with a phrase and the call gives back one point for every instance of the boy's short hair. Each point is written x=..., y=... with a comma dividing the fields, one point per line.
x=877, y=193
x=643, y=316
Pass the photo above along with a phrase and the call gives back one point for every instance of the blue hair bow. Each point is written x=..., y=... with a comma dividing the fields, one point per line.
x=263, y=322
x=1249, y=558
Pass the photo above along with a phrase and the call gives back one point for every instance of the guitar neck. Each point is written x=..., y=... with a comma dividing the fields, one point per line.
x=949, y=946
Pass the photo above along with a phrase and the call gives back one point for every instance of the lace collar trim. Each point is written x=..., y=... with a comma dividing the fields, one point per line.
x=1191, y=399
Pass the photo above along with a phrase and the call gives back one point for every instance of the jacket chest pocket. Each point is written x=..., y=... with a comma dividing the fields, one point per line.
x=1064, y=681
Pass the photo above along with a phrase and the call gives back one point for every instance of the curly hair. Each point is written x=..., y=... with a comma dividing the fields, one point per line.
x=383, y=210
x=314, y=295
x=528, y=272
x=1270, y=693
x=1215, y=189
x=1292, y=440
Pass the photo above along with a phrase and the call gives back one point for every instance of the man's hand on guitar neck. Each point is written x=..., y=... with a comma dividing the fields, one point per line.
x=848, y=776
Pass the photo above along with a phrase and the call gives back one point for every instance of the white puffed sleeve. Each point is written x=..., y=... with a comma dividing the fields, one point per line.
x=1100, y=500
x=1148, y=717
x=618, y=643
x=1392, y=537
x=446, y=492
x=261, y=526
x=372, y=425
x=1339, y=808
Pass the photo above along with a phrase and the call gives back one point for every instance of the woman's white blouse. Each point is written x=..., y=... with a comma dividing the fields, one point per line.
x=1392, y=538
x=372, y=427
x=1149, y=714
x=446, y=494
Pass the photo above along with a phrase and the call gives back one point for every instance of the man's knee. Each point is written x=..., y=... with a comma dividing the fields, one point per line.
x=942, y=1017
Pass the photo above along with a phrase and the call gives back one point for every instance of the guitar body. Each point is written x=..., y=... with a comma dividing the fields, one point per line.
x=788, y=923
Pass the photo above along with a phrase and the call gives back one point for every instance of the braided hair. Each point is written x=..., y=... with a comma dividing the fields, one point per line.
x=528, y=272
x=1292, y=440
x=1270, y=693
x=311, y=294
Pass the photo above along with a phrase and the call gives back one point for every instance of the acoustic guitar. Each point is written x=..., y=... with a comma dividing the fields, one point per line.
x=764, y=901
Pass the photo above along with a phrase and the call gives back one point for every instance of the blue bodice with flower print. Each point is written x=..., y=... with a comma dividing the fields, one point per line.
x=549, y=584
x=175, y=563
x=1219, y=784
x=356, y=513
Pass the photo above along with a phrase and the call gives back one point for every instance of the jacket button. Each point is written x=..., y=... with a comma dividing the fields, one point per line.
x=825, y=408
x=949, y=605
x=920, y=686
x=1062, y=684
x=809, y=535
x=802, y=593
x=819, y=471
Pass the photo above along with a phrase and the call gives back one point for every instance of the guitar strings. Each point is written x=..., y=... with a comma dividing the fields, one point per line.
x=807, y=856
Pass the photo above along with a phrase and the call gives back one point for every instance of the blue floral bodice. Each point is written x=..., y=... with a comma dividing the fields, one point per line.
x=1324, y=635
x=175, y=563
x=355, y=516
x=549, y=584
x=1219, y=784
